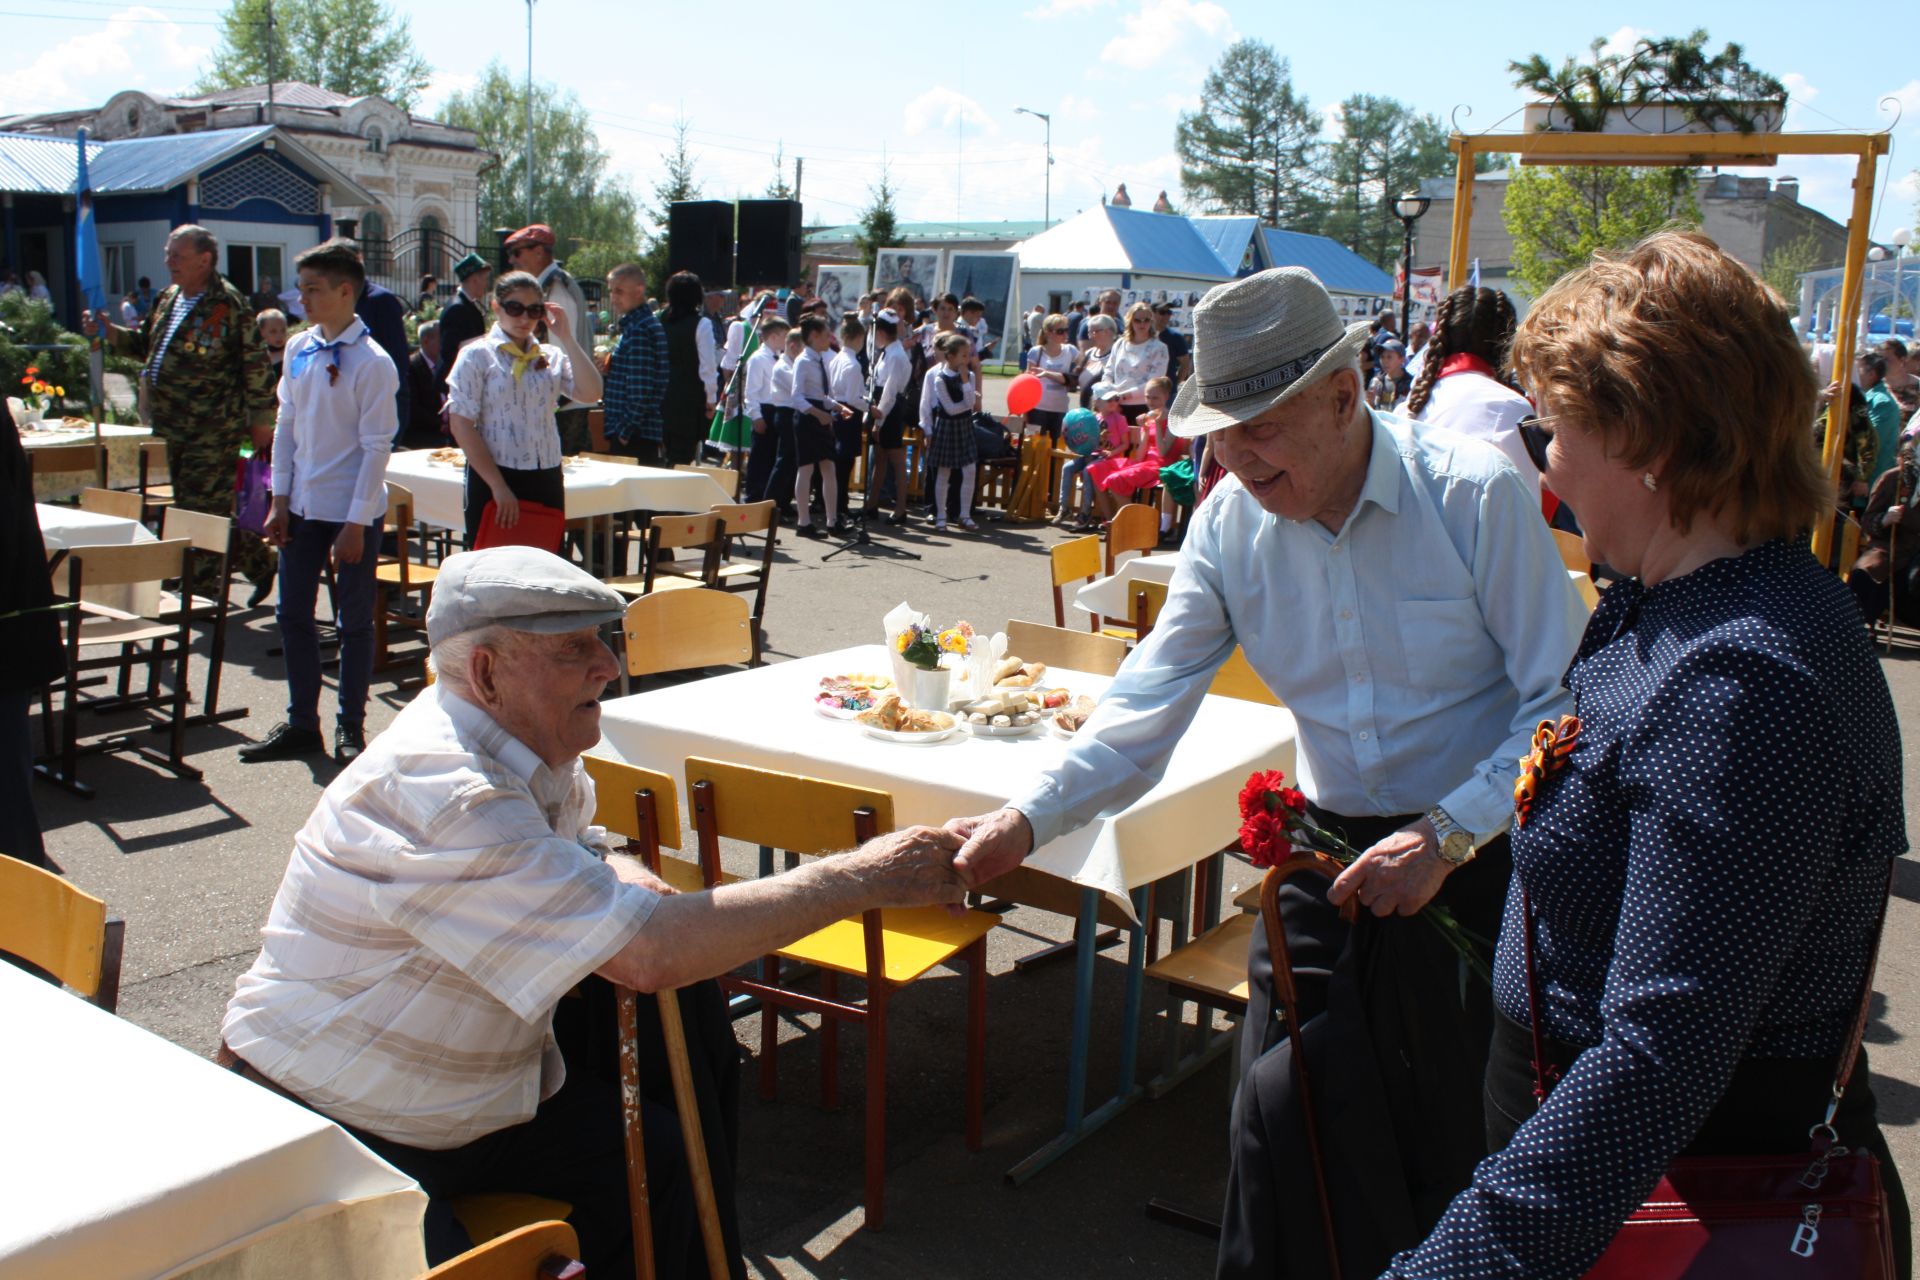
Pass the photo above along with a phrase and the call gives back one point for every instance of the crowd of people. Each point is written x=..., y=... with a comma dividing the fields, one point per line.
x=1682, y=883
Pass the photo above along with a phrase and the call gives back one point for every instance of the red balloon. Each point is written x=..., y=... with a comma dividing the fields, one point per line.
x=1023, y=394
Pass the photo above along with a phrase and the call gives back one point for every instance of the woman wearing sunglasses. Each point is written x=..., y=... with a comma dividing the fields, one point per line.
x=1701, y=861
x=501, y=397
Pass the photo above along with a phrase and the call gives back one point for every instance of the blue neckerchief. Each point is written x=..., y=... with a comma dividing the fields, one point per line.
x=297, y=363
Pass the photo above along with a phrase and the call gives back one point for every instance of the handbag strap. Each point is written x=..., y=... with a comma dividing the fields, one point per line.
x=1546, y=1076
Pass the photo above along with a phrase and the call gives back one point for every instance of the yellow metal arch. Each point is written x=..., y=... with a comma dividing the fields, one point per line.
x=1699, y=150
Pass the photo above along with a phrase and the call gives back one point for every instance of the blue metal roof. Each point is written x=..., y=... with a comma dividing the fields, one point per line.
x=1337, y=267
x=1227, y=236
x=32, y=164
x=129, y=166
x=1164, y=244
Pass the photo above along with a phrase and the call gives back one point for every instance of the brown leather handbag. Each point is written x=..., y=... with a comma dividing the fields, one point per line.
x=1811, y=1216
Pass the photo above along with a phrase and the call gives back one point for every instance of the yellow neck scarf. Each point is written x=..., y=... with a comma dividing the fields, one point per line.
x=522, y=360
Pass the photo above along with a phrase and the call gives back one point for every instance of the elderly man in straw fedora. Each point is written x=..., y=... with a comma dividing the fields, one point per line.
x=1395, y=585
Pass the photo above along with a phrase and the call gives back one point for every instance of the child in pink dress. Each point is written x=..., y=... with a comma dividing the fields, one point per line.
x=1126, y=473
x=1115, y=441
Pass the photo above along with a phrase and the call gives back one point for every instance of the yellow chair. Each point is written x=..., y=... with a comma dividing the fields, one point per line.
x=888, y=948
x=490, y=1215
x=703, y=533
x=1236, y=678
x=155, y=485
x=1148, y=599
x=682, y=630
x=46, y=921
x=1212, y=969
x=1135, y=527
x=210, y=535
x=398, y=575
x=1058, y=647
x=123, y=504
x=540, y=1251
x=1076, y=560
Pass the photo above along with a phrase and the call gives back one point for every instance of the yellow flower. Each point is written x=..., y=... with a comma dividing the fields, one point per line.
x=60, y=391
x=953, y=642
x=39, y=388
x=901, y=641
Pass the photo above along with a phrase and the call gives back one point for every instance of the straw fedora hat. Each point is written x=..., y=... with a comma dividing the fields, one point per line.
x=1255, y=343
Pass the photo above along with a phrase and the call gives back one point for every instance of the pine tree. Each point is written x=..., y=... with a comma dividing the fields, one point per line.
x=1250, y=147
x=678, y=184
x=879, y=221
x=778, y=188
x=1385, y=150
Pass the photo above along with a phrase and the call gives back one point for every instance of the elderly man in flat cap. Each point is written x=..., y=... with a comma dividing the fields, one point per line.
x=449, y=890
x=530, y=249
x=1395, y=585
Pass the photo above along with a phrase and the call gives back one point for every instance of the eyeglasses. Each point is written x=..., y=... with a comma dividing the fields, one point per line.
x=1535, y=437
x=517, y=309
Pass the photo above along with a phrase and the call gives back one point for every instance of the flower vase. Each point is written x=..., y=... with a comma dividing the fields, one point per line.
x=928, y=690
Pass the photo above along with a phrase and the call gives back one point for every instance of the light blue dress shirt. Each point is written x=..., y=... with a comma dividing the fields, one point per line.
x=1417, y=648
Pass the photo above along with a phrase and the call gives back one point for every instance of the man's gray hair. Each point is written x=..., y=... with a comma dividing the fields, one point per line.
x=430, y=329
x=450, y=657
x=1104, y=321
x=203, y=240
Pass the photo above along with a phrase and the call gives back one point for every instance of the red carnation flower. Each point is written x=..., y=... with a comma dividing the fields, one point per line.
x=1263, y=838
x=1254, y=796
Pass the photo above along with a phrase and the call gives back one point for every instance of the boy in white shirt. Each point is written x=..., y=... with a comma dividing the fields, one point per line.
x=330, y=447
x=758, y=402
x=814, y=415
x=849, y=386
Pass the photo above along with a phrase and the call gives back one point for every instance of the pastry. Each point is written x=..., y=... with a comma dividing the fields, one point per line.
x=1070, y=717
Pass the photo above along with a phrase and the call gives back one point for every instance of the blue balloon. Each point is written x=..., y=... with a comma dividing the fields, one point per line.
x=1081, y=431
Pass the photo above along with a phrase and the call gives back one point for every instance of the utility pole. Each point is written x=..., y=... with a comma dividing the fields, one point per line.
x=529, y=112
x=270, y=64
x=799, y=163
x=1046, y=120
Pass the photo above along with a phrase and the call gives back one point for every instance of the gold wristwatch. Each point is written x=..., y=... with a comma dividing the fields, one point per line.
x=1456, y=842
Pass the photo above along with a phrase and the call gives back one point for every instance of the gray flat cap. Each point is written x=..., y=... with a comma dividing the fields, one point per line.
x=522, y=588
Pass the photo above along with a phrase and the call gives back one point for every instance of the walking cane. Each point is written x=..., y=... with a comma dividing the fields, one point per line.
x=687, y=1103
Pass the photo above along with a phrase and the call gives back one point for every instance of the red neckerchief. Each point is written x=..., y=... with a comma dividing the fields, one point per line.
x=1464, y=363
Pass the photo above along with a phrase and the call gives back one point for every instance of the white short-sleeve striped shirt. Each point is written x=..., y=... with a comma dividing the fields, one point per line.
x=442, y=898
x=513, y=415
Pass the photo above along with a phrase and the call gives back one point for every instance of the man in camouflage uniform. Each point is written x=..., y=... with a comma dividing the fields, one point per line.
x=209, y=384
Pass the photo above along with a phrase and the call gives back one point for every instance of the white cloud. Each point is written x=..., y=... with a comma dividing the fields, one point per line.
x=1180, y=101
x=138, y=48
x=1621, y=42
x=1161, y=28
x=1075, y=107
x=939, y=109
x=1062, y=9
x=442, y=86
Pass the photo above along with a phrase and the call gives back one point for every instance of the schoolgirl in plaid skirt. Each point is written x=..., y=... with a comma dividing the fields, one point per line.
x=951, y=393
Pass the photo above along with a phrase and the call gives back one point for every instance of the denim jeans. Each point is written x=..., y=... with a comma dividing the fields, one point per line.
x=1077, y=467
x=303, y=562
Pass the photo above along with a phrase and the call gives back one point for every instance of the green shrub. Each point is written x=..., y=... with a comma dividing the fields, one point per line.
x=25, y=324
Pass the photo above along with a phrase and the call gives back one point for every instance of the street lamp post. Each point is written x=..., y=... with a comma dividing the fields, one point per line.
x=529, y=112
x=1046, y=120
x=1408, y=209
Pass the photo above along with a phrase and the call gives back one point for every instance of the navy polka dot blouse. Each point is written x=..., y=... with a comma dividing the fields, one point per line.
x=1705, y=876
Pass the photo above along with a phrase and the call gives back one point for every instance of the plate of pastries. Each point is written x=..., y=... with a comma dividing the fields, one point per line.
x=448, y=457
x=892, y=720
x=843, y=697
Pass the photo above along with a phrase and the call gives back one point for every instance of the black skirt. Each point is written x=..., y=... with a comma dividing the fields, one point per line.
x=812, y=438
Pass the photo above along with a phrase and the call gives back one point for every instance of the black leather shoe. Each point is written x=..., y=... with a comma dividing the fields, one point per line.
x=808, y=531
x=349, y=740
x=261, y=590
x=284, y=743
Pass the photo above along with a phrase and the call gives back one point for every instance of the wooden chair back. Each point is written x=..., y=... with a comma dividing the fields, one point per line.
x=637, y=804
x=123, y=503
x=59, y=459
x=542, y=1251
x=400, y=524
x=1236, y=678
x=705, y=532
x=1135, y=528
x=1075, y=560
x=208, y=533
x=154, y=470
x=749, y=519
x=44, y=919
x=787, y=811
x=1573, y=550
x=1149, y=598
x=726, y=477
x=119, y=565
x=1094, y=654
x=597, y=429
x=678, y=630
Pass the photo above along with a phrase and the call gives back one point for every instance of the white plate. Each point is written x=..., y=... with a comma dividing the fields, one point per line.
x=820, y=708
x=1010, y=731
x=909, y=739
x=1058, y=732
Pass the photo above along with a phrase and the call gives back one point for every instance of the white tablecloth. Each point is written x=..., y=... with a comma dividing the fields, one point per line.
x=130, y=1157
x=593, y=489
x=1112, y=597
x=123, y=457
x=64, y=527
x=764, y=717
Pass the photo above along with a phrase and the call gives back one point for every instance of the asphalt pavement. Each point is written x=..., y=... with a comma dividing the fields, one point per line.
x=193, y=867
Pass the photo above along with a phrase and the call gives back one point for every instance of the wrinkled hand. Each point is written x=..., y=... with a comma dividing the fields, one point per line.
x=91, y=326
x=996, y=843
x=506, y=508
x=633, y=871
x=350, y=544
x=1827, y=394
x=912, y=868
x=1398, y=876
x=1895, y=514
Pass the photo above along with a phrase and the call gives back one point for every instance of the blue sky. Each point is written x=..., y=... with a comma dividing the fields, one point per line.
x=843, y=85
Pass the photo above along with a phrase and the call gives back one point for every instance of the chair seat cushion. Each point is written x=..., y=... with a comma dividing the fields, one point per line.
x=915, y=939
x=418, y=575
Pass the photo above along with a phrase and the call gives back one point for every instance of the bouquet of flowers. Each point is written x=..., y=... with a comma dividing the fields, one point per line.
x=919, y=644
x=38, y=390
x=1275, y=825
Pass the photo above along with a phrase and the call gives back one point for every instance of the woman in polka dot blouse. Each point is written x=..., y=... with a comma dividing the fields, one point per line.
x=1707, y=871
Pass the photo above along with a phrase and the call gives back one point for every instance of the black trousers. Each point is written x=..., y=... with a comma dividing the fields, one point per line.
x=1396, y=1045
x=19, y=823
x=545, y=485
x=849, y=438
x=1767, y=1109
x=771, y=463
x=573, y=1149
